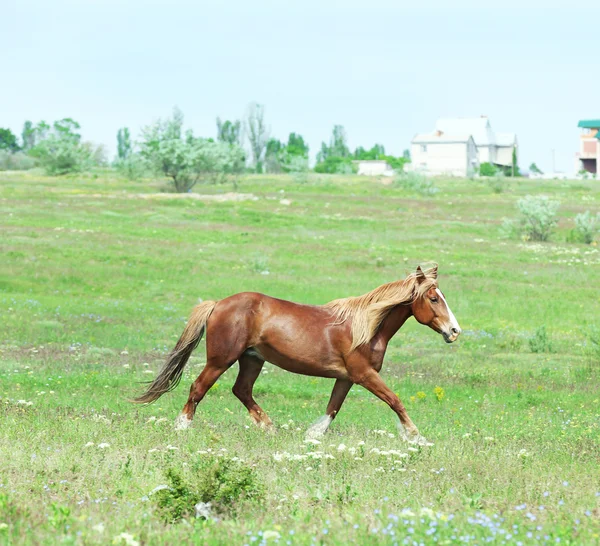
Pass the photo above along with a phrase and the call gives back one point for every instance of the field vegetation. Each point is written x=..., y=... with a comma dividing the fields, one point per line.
x=98, y=274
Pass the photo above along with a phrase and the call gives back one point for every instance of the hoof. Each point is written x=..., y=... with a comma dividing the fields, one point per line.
x=182, y=422
x=317, y=430
x=414, y=437
x=267, y=427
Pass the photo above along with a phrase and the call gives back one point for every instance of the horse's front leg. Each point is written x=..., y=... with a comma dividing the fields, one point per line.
x=338, y=395
x=407, y=429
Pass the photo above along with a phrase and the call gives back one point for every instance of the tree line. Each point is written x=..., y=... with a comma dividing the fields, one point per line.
x=164, y=148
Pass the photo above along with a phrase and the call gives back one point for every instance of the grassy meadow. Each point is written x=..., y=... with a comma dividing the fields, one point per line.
x=98, y=275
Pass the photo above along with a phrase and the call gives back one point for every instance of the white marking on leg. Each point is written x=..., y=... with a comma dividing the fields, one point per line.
x=453, y=321
x=319, y=427
x=182, y=422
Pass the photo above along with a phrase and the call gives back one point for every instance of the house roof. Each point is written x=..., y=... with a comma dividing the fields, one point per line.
x=589, y=123
x=506, y=139
x=434, y=138
x=480, y=128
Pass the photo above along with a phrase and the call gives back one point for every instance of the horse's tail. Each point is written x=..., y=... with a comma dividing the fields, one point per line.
x=169, y=376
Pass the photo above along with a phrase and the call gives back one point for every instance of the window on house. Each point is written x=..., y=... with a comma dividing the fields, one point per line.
x=423, y=147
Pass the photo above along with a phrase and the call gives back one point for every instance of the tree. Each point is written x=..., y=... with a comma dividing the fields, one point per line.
x=514, y=171
x=28, y=136
x=123, y=143
x=186, y=159
x=376, y=152
x=338, y=146
x=59, y=149
x=8, y=141
x=535, y=169
x=274, y=153
x=257, y=132
x=230, y=132
x=406, y=155
x=296, y=146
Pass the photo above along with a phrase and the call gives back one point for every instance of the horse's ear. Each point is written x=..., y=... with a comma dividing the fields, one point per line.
x=433, y=271
x=420, y=275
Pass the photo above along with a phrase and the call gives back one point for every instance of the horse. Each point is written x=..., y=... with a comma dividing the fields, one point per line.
x=345, y=339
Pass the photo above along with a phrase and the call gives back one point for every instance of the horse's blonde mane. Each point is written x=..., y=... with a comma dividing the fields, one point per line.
x=367, y=312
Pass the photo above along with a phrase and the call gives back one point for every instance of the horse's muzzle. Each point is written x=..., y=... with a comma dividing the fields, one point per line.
x=452, y=335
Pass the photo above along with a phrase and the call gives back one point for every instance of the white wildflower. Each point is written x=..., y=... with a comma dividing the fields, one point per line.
x=126, y=538
x=103, y=445
x=202, y=510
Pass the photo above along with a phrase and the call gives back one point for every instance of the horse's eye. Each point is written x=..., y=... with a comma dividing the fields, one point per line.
x=434, y=300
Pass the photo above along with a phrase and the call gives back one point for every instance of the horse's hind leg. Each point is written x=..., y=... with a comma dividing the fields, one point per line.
x=250, y=367
x=208, y=377
x=338, y=395
x=219, y=358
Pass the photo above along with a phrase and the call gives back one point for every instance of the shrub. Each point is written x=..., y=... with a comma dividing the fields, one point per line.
x=222, y=483
x=594, y=337
x=538, y=217
x=17, y=161
x=186, y=159
x=415, y=182
x=132, y=167
x=539, y=342
x=336, y=165
x=58, y=155
x=498, y=183
x=297, y=166
x=487, y=169
x=586, y=226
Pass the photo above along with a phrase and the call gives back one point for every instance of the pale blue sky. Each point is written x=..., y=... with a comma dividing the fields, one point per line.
x=383, y=69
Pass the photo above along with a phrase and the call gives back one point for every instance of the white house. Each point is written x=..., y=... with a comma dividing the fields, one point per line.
x=438, y=153
x=374, y=167
x=448, y=150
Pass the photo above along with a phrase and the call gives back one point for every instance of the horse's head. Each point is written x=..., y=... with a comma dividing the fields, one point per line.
x=430, y=307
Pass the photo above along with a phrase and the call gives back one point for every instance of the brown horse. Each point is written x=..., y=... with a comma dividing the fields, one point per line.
x=345, y=339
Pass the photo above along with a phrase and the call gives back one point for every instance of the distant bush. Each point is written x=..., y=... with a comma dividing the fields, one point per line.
x=61, y=156
x=498, y=183
x=594, y=337
x=297, y=166
x=336, y=165
x=221, y=484
x=540, y=342
x=187, y=159
x=586, y=227
x=59, y=149
x=17, y=161
x=415, y=182
x=133, y=167
x=538, y=217
x=487, y=169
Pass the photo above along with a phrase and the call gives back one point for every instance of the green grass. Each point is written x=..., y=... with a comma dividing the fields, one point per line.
x=98, y=275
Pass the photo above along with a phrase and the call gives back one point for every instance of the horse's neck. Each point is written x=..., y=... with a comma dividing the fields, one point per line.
x=394, y=321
